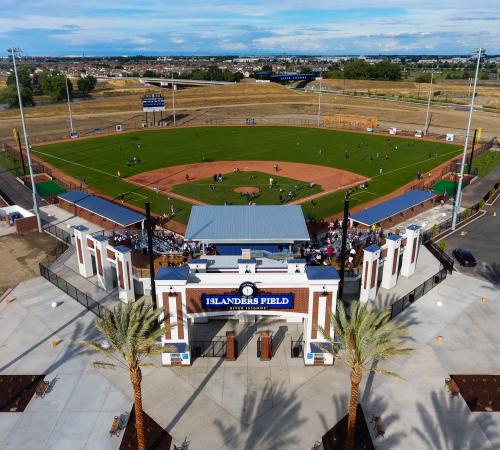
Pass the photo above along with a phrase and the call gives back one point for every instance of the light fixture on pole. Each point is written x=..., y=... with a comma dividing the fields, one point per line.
x=173, y=95
x=426, y=125
x=15, y=51
x=319, y=96
x=458, y=196
x=69, y=107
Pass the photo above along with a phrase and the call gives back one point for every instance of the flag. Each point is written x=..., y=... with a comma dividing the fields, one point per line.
x=119, y=174
x=14, y=133
x=479, y=131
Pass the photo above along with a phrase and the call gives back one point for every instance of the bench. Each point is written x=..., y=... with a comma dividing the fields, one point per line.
x=116, y=427
x=41, y=388
x=452, y=387
x=377, y=425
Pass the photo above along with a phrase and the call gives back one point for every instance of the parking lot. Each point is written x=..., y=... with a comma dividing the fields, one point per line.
x=482, y=238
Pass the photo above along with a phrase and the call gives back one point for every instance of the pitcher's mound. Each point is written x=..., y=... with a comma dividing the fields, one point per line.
x=247, y=190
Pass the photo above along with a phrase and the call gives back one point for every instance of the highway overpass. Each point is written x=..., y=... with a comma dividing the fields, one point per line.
x=167, y=81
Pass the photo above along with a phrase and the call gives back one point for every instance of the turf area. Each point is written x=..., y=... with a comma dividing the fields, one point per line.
x=221, y=192
x=48, y=189
x=100, y=160
x=445, y=187
x=486, y=162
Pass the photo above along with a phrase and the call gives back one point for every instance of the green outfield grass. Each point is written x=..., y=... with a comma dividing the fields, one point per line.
x=99, y=160
x=221, y=192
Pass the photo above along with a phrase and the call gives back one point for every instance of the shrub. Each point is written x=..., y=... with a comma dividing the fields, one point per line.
x=481, y=203
x=434, y=229
x=442, y=245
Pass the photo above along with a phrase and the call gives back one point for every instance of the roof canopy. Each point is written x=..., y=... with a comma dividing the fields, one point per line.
x=389, y=208
x=247, y=224
x=103, y=208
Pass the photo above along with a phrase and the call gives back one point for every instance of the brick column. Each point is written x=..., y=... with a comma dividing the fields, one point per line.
x=410, y=254
x=391, y=263
x=82, y=252
x=265, y=346
x=369, y=276
x=230, y=346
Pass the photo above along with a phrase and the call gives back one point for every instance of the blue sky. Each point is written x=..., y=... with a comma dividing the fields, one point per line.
x=323, y=27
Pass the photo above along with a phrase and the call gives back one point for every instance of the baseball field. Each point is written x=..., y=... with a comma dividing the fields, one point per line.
x=176, y=166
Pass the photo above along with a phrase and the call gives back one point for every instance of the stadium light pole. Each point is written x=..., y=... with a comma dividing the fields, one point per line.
x=428, y=105
x=173, y=96
x=319, y=96
x=458, y=196
x=14, y=52
x=347, y=196
x=69, y=106
x=149, y=231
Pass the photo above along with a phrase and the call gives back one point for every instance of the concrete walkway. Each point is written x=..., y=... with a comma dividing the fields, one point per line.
x=251, y=404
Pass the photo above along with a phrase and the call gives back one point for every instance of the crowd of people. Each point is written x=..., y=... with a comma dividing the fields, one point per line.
x=326, y=248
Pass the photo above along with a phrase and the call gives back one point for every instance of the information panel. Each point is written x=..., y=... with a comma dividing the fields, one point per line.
x=257, y=302
x=153, y=103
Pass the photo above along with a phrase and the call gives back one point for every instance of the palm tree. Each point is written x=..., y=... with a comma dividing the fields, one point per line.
x=360, y=340
x=132, y=335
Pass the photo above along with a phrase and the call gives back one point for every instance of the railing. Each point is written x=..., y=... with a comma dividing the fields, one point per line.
x=271, y=255
x=81, y=297
x=57, y=232
x=296, y=349
x=443, y=258
x=418, y=292
x=216, y=348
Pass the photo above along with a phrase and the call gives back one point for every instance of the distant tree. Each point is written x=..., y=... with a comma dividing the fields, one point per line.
x=53, y=84
x=267, y=68
x=9, y=96
x=86, y=84
x=24, y=76
x=484, y=76
x=306, y=70
x=151, y=74
x=423, y=78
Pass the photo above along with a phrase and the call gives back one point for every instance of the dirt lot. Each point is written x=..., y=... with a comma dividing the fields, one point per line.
x=21, y=255
x=264, y=101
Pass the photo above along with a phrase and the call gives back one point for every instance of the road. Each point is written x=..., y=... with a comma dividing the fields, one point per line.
x=482, y=238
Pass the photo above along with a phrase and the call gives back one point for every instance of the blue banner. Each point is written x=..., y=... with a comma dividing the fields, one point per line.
x=234, y=302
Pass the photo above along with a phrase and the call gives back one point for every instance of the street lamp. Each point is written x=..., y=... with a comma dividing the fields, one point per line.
x=426, y=125
x=319, y=96
x=347, y=196
x=15, y=51
x=458, y=196
x=69, y=107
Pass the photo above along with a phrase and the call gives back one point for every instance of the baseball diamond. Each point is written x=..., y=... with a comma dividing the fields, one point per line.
x=130, y=166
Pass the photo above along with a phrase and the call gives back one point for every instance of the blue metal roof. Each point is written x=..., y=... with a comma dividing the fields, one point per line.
x=104, y=208
x=122, y=249
x=389, y=208
x=321, y=273
x=413, y=227
x=172, y=273
x=296, y=261
x=274, y=224
x=100, y=237
x=81, y=228
x=394, y=237
x=372, y=248
x=247, y=261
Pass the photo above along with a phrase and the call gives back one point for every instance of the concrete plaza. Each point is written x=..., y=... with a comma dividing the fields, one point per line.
x=252, y=404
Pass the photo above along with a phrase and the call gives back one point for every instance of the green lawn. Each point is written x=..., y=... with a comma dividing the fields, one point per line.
x=99, y=160
x=221, y=192
x=486, y=162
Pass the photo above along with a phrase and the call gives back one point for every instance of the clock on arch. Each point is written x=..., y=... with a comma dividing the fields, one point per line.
x=247, y=289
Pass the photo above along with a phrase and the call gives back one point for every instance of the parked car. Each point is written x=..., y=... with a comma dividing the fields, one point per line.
x=464, y=257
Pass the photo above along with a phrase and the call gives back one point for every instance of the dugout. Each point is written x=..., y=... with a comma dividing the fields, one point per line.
x=97, y=210
x=396, y=210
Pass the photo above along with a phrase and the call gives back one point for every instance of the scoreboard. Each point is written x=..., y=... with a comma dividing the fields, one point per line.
x=153, y=103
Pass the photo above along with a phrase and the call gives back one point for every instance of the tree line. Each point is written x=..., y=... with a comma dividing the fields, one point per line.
x=50, y=83
x=213, y=73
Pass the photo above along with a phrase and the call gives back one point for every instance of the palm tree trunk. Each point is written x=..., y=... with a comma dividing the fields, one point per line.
x=136, y=378
x=353, y=409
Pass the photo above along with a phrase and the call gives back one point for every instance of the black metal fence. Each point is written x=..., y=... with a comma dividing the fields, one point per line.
x=418, y=292
x=57, y=232
x=296, y=349
x=445, y=260
x=216, y=348
x=81, y=297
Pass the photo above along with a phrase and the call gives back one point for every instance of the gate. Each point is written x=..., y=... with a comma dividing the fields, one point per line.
x=259, y=346
x=216, y=348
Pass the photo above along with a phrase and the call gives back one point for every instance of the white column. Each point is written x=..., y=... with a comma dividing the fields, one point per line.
x=369, y=276
x=391, y=263
x=124, y=274
x=410, y=254
x=104, y=267
x=82, y=252
x=172, y=299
